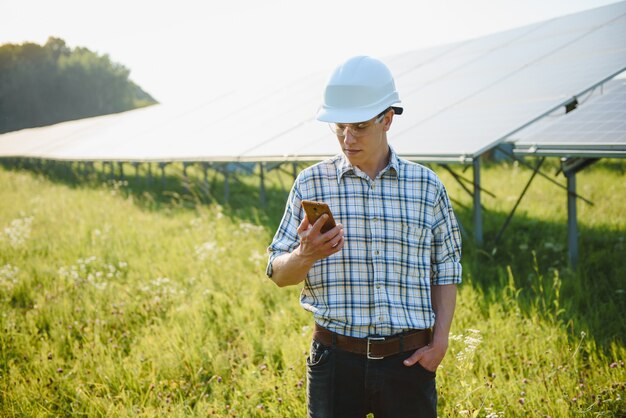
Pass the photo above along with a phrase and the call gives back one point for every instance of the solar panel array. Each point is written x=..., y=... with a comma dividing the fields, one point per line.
x=460, y=100
x=596, y=128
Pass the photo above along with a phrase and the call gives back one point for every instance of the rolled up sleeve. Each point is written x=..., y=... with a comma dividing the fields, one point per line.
x=286, y=238
x=446, y=243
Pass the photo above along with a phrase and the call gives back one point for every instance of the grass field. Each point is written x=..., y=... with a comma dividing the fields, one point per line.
x=122, y=298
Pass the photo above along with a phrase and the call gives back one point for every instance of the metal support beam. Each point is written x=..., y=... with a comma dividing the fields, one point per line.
x=572, y=222
x=205, y=174
x=149, y=176
x=478, y=216
x=262, y=195
x=550, y=179
x=186, y=183
x=162, y=167
x=508, y=219
x=120, y=165
x=294, y=167
x=226, y=185
x=460, y=179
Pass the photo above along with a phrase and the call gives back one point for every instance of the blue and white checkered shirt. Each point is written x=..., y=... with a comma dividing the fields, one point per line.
x=401, y=237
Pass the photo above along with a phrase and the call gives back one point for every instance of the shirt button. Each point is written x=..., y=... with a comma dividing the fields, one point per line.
x=378, y=286
x=377, y=252
x=374, y=220
x=380, y=318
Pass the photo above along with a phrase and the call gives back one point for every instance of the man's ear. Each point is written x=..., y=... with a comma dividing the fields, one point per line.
x=387, y=120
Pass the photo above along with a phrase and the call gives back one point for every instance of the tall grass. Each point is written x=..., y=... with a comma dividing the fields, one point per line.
x=128, y=299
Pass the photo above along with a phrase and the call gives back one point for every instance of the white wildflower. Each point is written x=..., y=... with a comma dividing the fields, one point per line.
x=116, y=185
x=249, y=228
x=159, y=281
x=196, y=222
x=205, y=250
x=256, y=257
x=100, y=285
x=89, y=270
x=471, y=340
x=18, y=231
x=8, y=276
x=100, y=234
x=161, y=286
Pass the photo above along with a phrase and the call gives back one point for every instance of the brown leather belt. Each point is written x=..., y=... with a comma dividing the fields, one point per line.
x=375, y=348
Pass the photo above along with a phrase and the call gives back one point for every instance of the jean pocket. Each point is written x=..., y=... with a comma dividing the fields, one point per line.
x=424, y=370
x=319, y=354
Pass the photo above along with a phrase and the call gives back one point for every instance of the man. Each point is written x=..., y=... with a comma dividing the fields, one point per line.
x=382, y=283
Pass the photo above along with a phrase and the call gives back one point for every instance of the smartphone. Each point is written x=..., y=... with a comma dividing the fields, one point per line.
x=314, y=210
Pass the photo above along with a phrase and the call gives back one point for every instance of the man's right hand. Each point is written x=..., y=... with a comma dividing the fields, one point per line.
x=315, y=245
x=292, y=268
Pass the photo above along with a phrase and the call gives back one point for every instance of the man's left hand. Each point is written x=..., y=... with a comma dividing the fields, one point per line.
x=429, y=356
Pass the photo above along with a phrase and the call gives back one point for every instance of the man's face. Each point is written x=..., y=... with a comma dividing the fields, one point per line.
x=365, y=143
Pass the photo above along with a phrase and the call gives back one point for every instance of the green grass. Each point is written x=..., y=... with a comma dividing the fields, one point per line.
x=137, y=299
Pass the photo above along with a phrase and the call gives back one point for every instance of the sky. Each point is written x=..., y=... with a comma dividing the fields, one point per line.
x=184, y=50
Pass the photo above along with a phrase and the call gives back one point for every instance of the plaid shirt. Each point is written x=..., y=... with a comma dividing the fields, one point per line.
x=401, y=237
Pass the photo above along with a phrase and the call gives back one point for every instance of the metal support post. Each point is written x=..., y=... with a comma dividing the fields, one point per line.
x=149, y=176
x=162, y=167
x=205, y=174
x=262, y=185
x=572, y=224
x=91, y=169
x=226, y=185
x=186, y=184
x=478, y=216
x=121, y=167
x=294, y=166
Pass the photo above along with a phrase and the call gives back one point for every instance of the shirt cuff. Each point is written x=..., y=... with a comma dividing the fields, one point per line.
x=446, y=273
x=269, y=270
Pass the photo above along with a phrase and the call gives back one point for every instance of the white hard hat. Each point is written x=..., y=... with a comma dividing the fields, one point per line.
x=358, y=90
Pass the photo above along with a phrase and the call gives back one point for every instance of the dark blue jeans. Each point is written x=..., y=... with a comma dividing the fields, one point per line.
x=345, y=385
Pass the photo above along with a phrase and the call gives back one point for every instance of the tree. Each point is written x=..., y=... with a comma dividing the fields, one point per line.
x=42, y=85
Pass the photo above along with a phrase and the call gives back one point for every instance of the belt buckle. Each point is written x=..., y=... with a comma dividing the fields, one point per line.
x=369, y=342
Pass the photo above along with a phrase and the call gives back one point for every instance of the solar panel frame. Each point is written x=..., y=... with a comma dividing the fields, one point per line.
x=595, y=129
x=460, y=101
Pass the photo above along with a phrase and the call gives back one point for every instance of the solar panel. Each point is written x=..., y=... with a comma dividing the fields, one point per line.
x=460, y=100
x=595, y=129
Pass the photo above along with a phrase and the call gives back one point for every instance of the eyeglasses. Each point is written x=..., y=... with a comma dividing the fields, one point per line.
x=356, y=129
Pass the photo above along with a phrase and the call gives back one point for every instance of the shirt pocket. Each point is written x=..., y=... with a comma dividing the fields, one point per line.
x=410, y=252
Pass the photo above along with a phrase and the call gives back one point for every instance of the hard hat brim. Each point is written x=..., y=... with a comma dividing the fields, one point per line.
x=331, y=115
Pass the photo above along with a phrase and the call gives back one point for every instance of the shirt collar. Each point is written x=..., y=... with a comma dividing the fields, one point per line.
x=344, y=166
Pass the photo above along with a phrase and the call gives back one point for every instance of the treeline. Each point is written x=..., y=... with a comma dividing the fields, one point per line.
x=42, y=85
